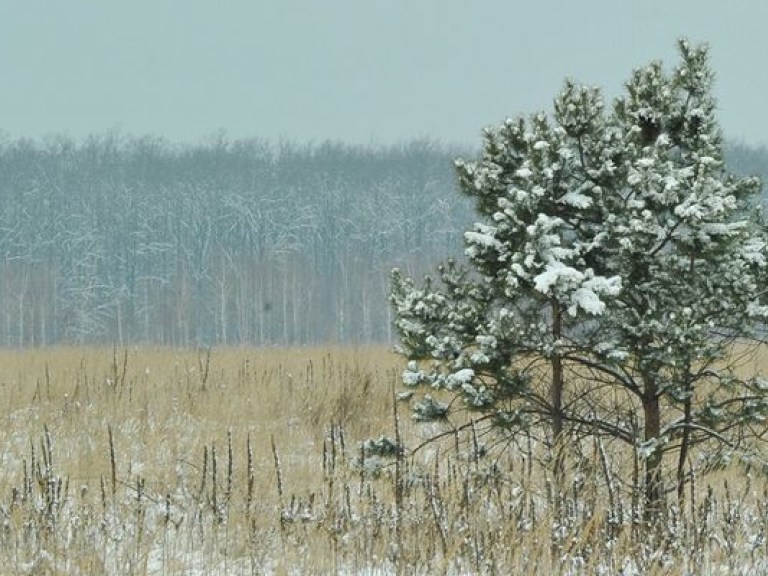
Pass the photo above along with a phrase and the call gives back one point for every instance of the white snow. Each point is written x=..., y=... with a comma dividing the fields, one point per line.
x=524, y=172
x=556, y=274
x=576, y=199
x=587, y=300
x=463, y=376
x=481, y=239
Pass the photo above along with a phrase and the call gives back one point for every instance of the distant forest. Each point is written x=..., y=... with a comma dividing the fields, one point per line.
x=122, y=240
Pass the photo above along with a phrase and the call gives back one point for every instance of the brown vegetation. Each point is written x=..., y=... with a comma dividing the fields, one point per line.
x=246, y=461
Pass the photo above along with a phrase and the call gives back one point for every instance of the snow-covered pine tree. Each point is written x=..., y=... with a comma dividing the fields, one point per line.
x=493, y=333
x=616, y=270
x=689, y=245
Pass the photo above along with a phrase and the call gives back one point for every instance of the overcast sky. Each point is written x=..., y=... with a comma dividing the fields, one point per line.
x=363, y=71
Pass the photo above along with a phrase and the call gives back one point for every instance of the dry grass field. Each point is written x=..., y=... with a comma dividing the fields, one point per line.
x=253, y=462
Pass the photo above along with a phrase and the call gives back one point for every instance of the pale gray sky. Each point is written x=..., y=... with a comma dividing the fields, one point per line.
x=363, y=71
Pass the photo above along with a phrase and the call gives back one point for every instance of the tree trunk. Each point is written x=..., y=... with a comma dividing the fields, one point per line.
x=687, y=410
x=654, y=503
x=557, y=375
x=557, y=404
x=685, y=443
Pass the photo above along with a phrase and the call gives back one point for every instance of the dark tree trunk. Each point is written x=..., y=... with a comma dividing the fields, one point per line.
x=557, y=403
x=654, y=503
x=557, y=375
x=684, y=446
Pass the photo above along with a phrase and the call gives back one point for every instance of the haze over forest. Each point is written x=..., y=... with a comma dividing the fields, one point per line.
x=120, y=240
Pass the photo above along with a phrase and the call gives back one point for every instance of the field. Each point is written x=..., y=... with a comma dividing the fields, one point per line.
x=245, y=461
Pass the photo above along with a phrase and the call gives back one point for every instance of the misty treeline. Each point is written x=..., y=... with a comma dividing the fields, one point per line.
x=122, y=240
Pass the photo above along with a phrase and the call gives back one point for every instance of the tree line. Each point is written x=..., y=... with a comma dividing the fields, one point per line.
x=116, y=239
x=125, y=240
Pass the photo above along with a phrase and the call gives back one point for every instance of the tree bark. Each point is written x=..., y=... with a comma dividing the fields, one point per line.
x=654, y=503
x=557, y=374
x=687, y=409
x=685, y=443
x=557, y=403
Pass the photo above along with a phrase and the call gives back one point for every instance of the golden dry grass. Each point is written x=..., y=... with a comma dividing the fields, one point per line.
x=250, y=462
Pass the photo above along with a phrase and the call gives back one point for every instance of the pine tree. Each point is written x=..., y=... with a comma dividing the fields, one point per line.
x=691, y=249
x=614, y=272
